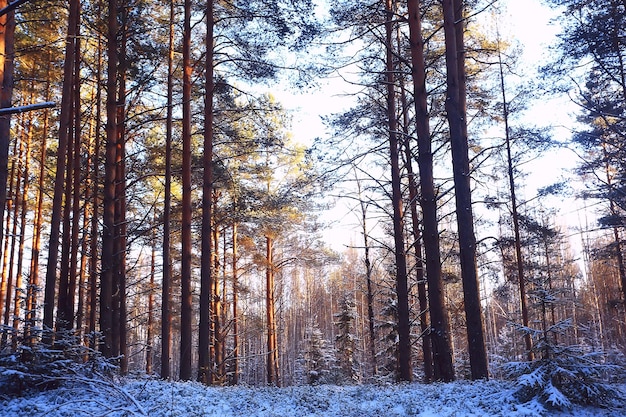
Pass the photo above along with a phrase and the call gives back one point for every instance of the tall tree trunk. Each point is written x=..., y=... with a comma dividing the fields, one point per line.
x=63, y=321
x=456, y=113
x=417, y=248
x=235, y=353
x=270, y=310
x=439, y=324
x=17, y=197
x=5, y=283
x=405, y=371
x=75, y=178
x=206, y=273
x=84, y=255
x=186, y=302
x=7, y=53
x=65, y=120
x=95, y=174
x=166, y=288
x=119, y=297
x=9, y=245
x=415, y=227
x=108, y=268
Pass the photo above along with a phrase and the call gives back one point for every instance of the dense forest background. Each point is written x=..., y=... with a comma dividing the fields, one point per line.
x=159, y=212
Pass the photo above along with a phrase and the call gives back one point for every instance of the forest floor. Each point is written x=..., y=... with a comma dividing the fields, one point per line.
x=149, y=397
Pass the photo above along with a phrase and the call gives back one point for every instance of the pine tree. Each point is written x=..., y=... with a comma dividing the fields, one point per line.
x=346, y=340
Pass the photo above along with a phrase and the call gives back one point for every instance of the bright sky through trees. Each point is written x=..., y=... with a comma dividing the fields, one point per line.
x=528, y=24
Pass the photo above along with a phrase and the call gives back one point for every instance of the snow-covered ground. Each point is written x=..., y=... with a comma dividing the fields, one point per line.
x=149, y=397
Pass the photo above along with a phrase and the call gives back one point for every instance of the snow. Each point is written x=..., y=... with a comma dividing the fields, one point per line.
x=150, y=397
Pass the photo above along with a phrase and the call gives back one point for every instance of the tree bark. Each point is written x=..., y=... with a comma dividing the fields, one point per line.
x=456, y=113
x=19, y=290
x=439, y=324
x=417, y=249
x=108, y=267
x=405, y=371
x=120, y=241
x=7, y=52
x=186, y=301
x=9, y=258
x=95, y=174
x=270, y=307
x=166, y=288
x=65, y=120
x=206, y=273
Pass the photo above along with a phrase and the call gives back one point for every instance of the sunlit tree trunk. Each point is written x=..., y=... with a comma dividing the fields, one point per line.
x=19, y=290
x=6, y=289
x=7, y=52
x=270, y=306
x=7, y=277
x=9, y=258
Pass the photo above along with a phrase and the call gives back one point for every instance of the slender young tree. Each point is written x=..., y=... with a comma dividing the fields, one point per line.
x=33, y=280
x=368, y=277
x=235, y=268
x=519, y=261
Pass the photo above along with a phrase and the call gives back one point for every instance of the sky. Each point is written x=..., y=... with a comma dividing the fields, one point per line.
x=529, y=22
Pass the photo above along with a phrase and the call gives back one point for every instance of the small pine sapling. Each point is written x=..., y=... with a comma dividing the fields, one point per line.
x=562, y=375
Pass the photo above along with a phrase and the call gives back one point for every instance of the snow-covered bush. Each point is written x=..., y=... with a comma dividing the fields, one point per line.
x=562, y=375
x=39, y=366
x=568, y=376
